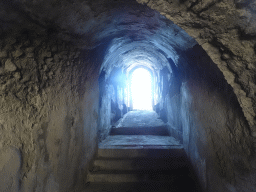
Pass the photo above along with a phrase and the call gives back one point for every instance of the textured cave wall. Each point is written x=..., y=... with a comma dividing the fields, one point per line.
x=112, y=101
x=216, y=135
x=225, y=29
x=163, y=85
x=106, y=98
x=48, y=113
x=227, y=32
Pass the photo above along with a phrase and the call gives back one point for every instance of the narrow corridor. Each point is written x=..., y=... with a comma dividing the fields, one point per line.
x=133, y=161
x=67, y=79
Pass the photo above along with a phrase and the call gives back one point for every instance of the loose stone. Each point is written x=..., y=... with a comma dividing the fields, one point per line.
x=10, y=66
x=17, y=53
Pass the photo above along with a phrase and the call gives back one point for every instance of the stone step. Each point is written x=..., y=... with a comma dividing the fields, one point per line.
x=139, y=164
x=125, y=187
x=129, y=177
x=138, y=187
x=128, y=152
x=160, y=130
x=139, y=141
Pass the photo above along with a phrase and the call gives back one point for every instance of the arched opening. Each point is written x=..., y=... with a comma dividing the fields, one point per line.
x=141, y=89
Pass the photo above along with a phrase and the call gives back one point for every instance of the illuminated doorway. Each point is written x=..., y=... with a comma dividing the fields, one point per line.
x=141, y=89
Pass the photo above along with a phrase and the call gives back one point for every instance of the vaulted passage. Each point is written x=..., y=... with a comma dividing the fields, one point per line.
x=67, y=79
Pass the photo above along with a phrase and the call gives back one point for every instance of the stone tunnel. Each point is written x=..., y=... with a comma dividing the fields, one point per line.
x=64, y=72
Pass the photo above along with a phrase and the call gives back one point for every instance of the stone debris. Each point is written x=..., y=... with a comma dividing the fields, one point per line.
x=17, y=75
x=17, y=53
x=10, y=66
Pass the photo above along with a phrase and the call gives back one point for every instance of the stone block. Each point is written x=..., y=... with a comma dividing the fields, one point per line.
x=17, y=53
x=10, y=66
x=17, y=75
x=45, y=68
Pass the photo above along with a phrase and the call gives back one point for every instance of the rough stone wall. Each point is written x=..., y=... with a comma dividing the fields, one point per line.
x=227, y=32
x=48, y=113
x=105, y=110
x=111, y=108
x=113, y=98
x=216, y=135
x=173, y=115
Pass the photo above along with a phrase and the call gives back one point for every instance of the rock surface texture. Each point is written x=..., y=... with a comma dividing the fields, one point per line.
x=226, y=30
x=64, y=70
x=42, y=113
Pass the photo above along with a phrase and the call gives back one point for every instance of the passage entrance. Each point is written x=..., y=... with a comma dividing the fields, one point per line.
x=141, y=89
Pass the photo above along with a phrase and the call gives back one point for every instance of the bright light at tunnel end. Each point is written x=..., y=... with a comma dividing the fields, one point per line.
x=141, y=88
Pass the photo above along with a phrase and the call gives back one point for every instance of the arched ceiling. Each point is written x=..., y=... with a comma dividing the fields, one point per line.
x=88, y=23
x=136, y=33
x=225, y=29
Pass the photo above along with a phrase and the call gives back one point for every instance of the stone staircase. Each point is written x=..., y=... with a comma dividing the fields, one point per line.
x=136, y=165
x=140, y=156
x=140, y=163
